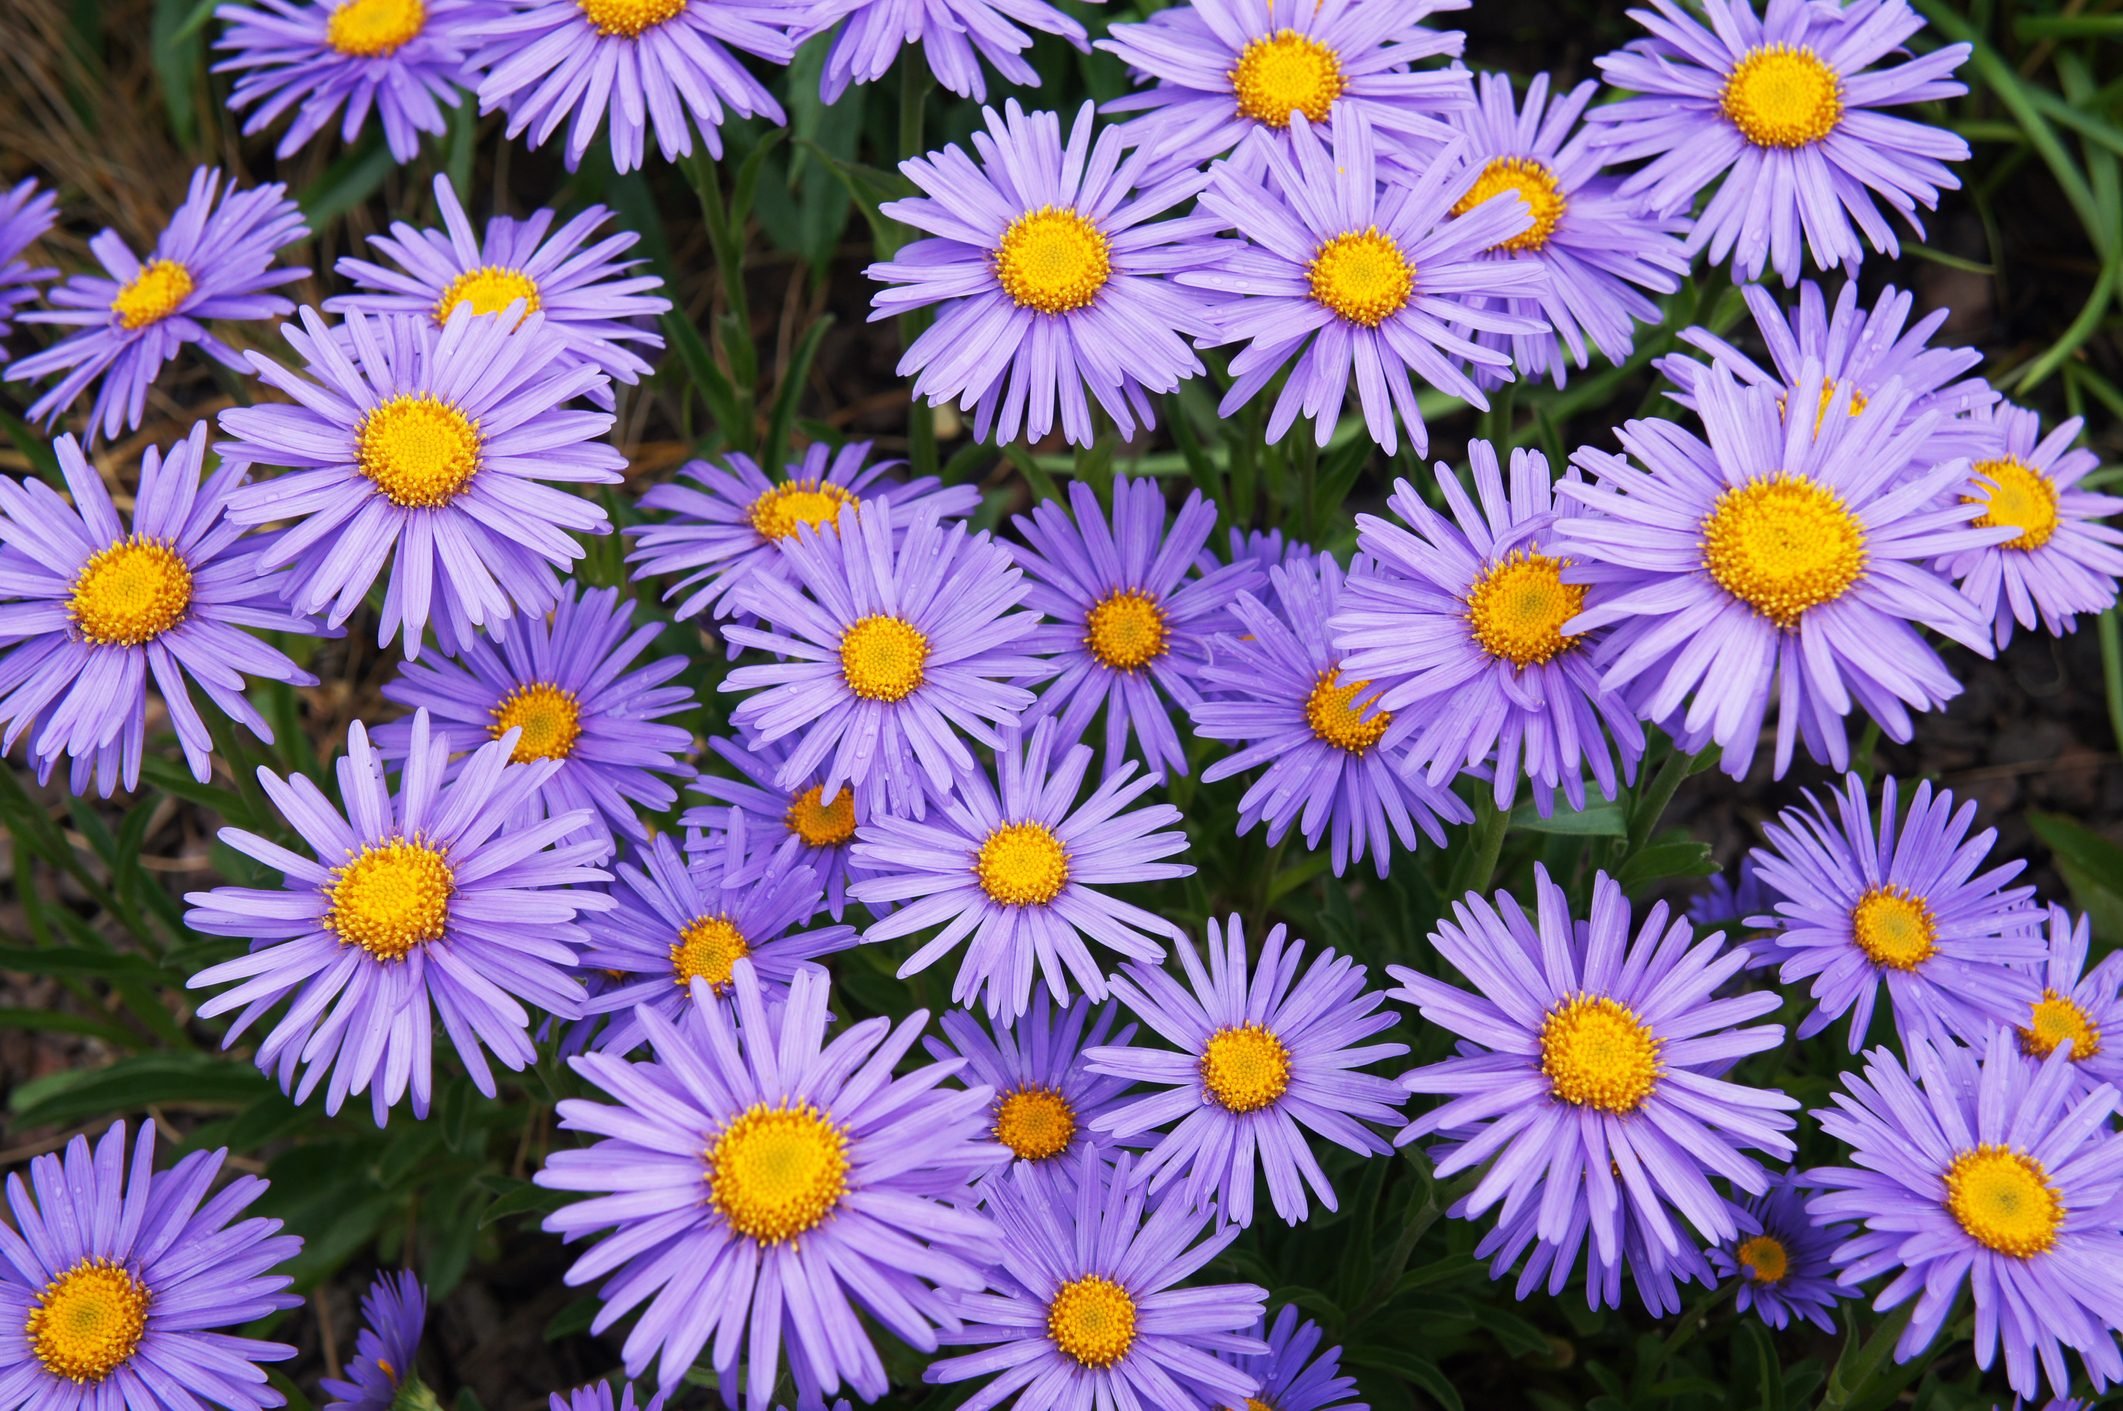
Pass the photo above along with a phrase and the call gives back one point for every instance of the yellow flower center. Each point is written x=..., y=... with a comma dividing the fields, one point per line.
x=2004, y=1200
x=777, y=1172
x=629, y=19
x=1894, y=928
x=2057, y=1019
x=390, y=898
x=1829, y=387
x=88, y=1321
x=1518, y=606
x=1035, y=1123
x=822, y=825
x=550, y=718
x=1022, y=864
x=420, y=451
x=1536, y=185
x=881, y=658
x=375, y=29
x=1778, y=96
x=707, y=949
x=490, y=289
x=1765, y=1259
x=1245, y=1068
x=1783, y=545
x=1338, y=718
x=1125, y=631
x=1596, y=1053
x=1092, y=1320
x=1053, y=260
x=1363, y=276
x=130, y=593
x=2014, y=493
x=1284, y=73
x=778, y=513
x=153, y=295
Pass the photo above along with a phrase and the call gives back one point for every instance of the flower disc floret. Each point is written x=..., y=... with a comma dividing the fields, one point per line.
x=1781, y=96
x=781, y=511
x=1022, y=864
x=390, y=898
x=2004, y=1200
x=1036, y=1123
x=629, y=19
x=2056, y=1019
x=130, y=593
x=2015, y=494
x=549, y=716
x=1783, y=544
x=822, y=825
x=1517, y=608
x=152, y=295
x=1338, y=718
x=775, y=1173
x=1597, y=1053
x=1894, y=927
x=708, y=949
x=420, y=451
x=1053, y=260
x=1245, y=1068
x=1126, y=630
x=1363, y=276
x=375, y=29
x=1092, y=1320
x=1536, y=185
x=882, y=658
x=489, y=289
x=1283, y=73
x=1764, y=1259
x=88, y=1321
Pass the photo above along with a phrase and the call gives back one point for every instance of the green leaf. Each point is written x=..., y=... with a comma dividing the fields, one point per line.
x=1662, y=860
x=2092, y=867
x=132, y=1084
x=1601, y=820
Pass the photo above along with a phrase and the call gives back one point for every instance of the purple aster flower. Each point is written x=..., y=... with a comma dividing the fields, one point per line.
x=1657, y=1273
x=1900, y=904
x=93, y=609
x=765, y=1184
x=403, y=58
x=116, y=1284
x=1087, y=1307
x=1982, y=1171
x=1021, y=873
x=1781, y=1260
x=393, y=1312
x=891, y=645
x=1052, y=275
x=733, y=519
x=209, y=262
x=656, y=65
x=1464, y=616
x=1291, y=1376
x=25, y=215
x=598, y=1397
x=1263, y=547
x=571, y=691
x=431, y=443
x=1265, y=1056
x=1774, y=562
x=416, y=904
x=824, y=833
x=2078, y=1007
x=955, y=36
x=1128, y=630
x=1582, y=1086
x=1333, y=758
x=1046, y=1102
x=2063, y=559
x=1350, y=280
x=1785, y=107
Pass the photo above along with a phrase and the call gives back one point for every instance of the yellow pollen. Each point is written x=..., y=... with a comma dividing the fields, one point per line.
x=1125, y=631
x=1894, y=928
x=777, y=513
x=1782, y=545
x=1053, y=260
x=88, y=1321
x=490, y=289
x=2057, y=1019
x=1764, y=1259
x=1022, y=864
x=1254, y=1403
x=388, y=1369
x=550, y=718
x=153, y=295
x=420, y=451
x=390, y=898
x=1536, y=185
x=2004, y=1200
x=629, y=19
x=2015, y=494
x=881, y=658
x=1035, y=1123
x=130, y=593
x=1778, y=96
x=1284, y=73
x=777, y=1172
x=707, y=949
x=1363, y=276
x=1338, y=717
x=821, y=825
x=1092, y=1320
x=1829, y=388
x=1596, y=1053
x=1518, y=606
x=1246, y=1068
x=375, y=29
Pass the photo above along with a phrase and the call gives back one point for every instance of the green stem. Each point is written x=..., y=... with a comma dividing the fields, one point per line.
x=1652, y=802
x=1484, y=843
x=734, y=330
x=2105, y=627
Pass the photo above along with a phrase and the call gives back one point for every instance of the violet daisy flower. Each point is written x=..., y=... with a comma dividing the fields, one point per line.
x=1047, y=1102
x=764, y=1184
x=416, y=904
x=891, y=644
x=598, y=1397
x=1781, y=1260
x=1464, y=615
x=654, y=65
x=1900, y=905
x=1087, y=1308
x=955, y=36
x=1774, y=562
x=210, y=262
x=26, y=213
x=1350, y=280
x=1265, y=548
x=1582, y=1085
x=1657, y=1273
x=393, y=1312
x=1785, y=107
x=570, y=689
x=1022, y=873
x=1053, y=277
x=94, y=609
x=1274, y=685
x=1294, y=1375
x=823, y=833
x=433, y=444
x=1980, y=1170
x=116, y=1284
x=1128, y=630
x=1266, y=1055
x=2078, y=1007
x=733, y=519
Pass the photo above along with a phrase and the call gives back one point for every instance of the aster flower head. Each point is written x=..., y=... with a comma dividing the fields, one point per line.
x=26, y=213
x=1972, y=1168
x=1294, y=1375
x=1275, y=687
x=1128, y=624
x=2079, y=1007
x=1266, y=548
x=1046, y=1103
x=1786, y=107
x=1551, y=1260
x=1781, y=1261
x=956, y=37
x=1464, y=617
x=95, y=610
x=1266, y=1053
x=125, y=1287
x=774, y=816
x=411, y=905
x=393, y=1312
x=432, y=449
x=598, y=1396
x=211, y=262
x=831, y=1186
x=1774, y=562
x=1052, y=276
x=1087, y=1307
x=1020, y=872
